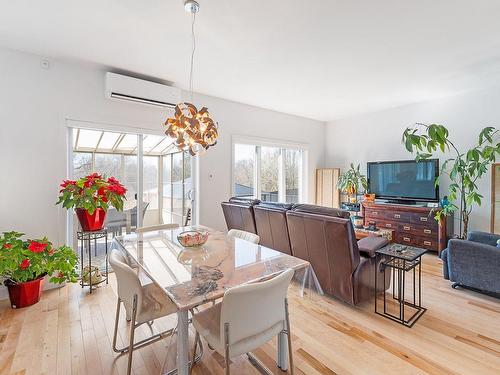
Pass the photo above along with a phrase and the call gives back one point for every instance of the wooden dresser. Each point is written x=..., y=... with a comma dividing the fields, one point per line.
x=412, y=225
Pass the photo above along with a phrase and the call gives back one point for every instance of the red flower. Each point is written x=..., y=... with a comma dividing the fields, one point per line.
x=7, y=246
x=93, y=176
x=24, y=264
x=67, y=182
x=117, y=189
x=37, y=247
x=113, y=180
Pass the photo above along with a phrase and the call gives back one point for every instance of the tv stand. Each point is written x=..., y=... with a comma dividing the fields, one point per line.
x=413, y=225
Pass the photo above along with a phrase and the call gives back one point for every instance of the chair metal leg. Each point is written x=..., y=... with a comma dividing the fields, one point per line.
x=196, y=339
x=132, y=333
x=226, y=344
x=117, y=318
x=289, y=336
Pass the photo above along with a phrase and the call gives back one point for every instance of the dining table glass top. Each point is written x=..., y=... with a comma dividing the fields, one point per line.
x=193, y=276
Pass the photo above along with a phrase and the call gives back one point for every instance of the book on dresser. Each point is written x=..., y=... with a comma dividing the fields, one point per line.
x=412, y=224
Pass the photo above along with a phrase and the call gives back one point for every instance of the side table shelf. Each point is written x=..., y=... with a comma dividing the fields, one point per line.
x=86, y=240
x=401, y=259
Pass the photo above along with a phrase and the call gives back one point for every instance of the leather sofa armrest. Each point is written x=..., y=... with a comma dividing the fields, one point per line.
x=368, y=245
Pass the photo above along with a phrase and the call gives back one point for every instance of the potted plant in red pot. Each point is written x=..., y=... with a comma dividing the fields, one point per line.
x=91, y=197
x=25, y=263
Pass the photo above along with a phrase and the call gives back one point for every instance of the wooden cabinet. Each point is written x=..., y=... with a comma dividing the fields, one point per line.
x=327, y=192
x=412, y=225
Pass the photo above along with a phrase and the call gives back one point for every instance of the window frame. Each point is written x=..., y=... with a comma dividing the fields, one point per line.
x=262, y=142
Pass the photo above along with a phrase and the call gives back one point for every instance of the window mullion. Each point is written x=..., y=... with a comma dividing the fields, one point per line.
x=256, y=173
x=281, y=176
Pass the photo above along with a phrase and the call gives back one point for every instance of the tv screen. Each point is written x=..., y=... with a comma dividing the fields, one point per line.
x=406, y=180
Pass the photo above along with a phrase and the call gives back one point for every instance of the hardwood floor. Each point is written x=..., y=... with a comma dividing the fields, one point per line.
x=70, y=332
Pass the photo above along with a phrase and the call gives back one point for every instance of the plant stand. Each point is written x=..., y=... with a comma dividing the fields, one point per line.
x=86, y=240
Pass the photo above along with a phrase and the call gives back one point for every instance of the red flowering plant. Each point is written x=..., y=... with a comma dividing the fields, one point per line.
x=26, y=260
x=92, y=192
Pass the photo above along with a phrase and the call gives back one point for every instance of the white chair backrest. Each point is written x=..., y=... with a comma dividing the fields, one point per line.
x=157, y=227
x=127, y=281
x=254, y=308
x=247, y=236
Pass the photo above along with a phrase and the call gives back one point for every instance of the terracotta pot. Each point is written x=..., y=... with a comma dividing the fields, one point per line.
x=91, y=223
x=25, y=294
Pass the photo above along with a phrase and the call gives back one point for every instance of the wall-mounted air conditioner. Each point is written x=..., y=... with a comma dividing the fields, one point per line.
x=121, y=87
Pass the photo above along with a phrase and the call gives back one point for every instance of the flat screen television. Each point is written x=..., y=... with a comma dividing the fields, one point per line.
x=404, y=181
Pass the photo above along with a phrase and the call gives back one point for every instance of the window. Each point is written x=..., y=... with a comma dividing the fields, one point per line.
x=271, y=173
x=177, y=187
x=166, y=183
x=244, y=167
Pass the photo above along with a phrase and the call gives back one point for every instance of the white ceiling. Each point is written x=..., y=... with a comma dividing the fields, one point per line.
x=318, y=58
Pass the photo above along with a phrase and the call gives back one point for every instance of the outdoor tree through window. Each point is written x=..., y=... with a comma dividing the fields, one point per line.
x=271, y=174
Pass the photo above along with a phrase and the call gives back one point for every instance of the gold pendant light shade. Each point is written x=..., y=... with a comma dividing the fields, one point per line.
x=192, y=129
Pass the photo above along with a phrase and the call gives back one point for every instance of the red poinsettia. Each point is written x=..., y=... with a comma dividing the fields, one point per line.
x=67, y=183
x=37, y=247
x=24, y=264
x=92, y=192
x=31, y=258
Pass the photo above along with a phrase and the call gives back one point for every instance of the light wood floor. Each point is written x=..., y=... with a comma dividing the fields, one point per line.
x=70, y=332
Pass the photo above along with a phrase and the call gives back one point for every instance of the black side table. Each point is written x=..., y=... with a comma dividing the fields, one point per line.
x=402, y=259
x=86, y=239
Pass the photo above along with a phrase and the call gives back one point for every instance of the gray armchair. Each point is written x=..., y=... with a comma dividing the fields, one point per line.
x=473, y=263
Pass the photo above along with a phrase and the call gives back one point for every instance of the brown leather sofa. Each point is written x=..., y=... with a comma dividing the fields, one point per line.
x=270, y=219
x=323, y=236
x=239, y=214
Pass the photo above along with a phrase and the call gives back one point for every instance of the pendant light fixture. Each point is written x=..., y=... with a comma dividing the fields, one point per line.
x=192, y=129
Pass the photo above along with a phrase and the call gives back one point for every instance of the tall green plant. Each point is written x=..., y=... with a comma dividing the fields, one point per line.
x=464, y=168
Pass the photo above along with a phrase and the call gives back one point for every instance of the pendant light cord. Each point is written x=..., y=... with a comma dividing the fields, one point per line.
x=193, y=37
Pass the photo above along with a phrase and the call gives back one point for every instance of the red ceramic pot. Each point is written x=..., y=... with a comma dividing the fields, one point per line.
x=25, y=294
x=92, y=222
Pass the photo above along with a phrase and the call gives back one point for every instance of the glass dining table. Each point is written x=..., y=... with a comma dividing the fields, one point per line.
x=193, y=276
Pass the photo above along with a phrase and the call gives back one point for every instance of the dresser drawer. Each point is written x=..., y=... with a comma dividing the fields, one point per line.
x=382, y=223
x=374, y=213
x=398, y=216
x=422, y=219
x=426, y=243
x=406, y=239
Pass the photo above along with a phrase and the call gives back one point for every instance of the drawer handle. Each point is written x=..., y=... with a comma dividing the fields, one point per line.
x=428, y=243
x=428, y=231
x=406, y=239
x=406, y=228
x=423, y=218
x=374, y=213
x=397, y=216
x=388, y=225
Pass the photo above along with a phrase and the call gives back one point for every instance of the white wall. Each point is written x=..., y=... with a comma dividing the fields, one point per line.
x=35, y=104
x=377, y=136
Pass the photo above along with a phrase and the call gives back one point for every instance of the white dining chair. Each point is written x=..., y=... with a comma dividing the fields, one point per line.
x=156, y=227
x=247, y=236
x=143, y=303
x=248, y=316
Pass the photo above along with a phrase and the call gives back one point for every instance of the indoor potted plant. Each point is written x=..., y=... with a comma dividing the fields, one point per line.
x=464, y=168
x=91, y=196
x=350, y=182
x=25, y=263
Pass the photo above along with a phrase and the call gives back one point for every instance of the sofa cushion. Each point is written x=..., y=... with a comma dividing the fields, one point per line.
x=368, y=245
x=319, y=210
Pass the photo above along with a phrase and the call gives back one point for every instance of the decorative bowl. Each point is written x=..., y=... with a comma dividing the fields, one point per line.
x=192, y=238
